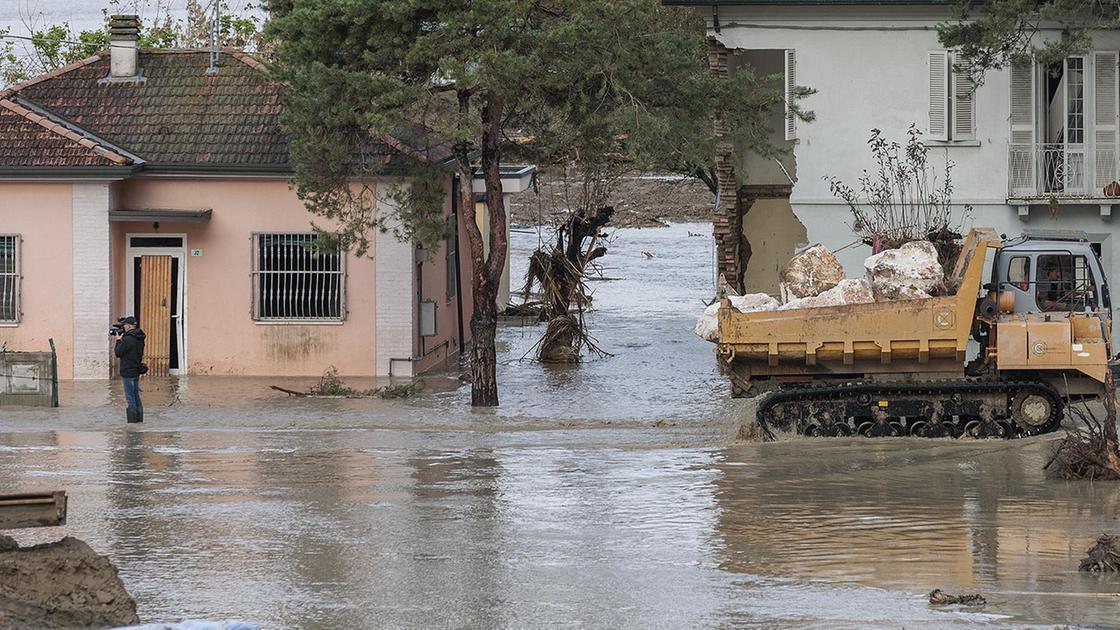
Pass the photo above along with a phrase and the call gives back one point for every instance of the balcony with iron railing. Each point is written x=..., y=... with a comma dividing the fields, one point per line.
x=1062, y=171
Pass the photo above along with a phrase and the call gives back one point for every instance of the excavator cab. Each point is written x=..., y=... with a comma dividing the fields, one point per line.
x=1053, y=308
x=1051, y=272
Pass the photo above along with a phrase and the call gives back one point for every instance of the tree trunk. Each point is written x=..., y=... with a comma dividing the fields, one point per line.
x=487, y=274
x=484, y=359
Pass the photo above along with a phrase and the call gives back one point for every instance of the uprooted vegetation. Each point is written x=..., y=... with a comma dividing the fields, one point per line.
x=1090, y=452
x=559, y=268
x=331, y=385
x=1103, y=556
x=903, y=199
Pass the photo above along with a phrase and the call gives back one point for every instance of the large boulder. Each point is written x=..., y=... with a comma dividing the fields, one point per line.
x=907, y=273
x=848, y=291
x=811, y=272
x=753, y=302
x=707, y=327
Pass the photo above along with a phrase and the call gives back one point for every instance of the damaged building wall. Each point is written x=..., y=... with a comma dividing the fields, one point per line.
x=754, y=228
x=757, y=169
x=775, y=233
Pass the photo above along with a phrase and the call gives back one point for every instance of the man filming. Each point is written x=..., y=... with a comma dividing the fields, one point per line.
x=130, y=350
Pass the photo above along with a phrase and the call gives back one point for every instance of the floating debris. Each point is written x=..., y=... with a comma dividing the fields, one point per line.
x=331, y=386
x=1104, y=556
x=938, y=597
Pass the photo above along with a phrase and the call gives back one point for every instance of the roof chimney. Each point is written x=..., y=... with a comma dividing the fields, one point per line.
x=124, y=41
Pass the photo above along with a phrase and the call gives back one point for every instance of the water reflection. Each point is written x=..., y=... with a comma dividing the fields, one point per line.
x=916, y=515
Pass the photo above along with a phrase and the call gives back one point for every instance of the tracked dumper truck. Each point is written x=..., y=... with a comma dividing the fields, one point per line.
x=1042, y=326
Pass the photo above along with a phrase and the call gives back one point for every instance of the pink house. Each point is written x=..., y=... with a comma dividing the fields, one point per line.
x=156, y=183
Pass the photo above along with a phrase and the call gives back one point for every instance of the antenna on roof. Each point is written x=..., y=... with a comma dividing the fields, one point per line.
x=215, y=38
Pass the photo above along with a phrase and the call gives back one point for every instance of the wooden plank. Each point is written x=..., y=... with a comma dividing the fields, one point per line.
x=155, y=312
x=46, y=509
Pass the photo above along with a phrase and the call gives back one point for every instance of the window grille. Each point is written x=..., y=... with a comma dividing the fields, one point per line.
x=294, y=279
x=9, y=278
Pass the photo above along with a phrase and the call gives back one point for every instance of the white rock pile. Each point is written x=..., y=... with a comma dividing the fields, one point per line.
x=907, y=273
x=848, y=291
x=707, y=327
x=810, y=273
x=815, y=278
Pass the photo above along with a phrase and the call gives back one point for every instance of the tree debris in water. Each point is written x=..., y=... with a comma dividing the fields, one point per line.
x=1089, y=453
x=535, y=310
x=331, y=385
x=1104, y=556
x=560, y=270
x=938, y=597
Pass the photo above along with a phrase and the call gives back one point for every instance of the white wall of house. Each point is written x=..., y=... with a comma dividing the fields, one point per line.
x=870, y=68
x=395, y=265
x=92, y=255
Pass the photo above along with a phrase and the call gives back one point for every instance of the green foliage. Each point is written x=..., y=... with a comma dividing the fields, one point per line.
x=902, y=199
x=994, y=33
x=591, y=83
x=58, y=44
x=331, y=384
x=12, y=68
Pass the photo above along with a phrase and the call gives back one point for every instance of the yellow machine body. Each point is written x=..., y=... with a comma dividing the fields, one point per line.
x=912, y=338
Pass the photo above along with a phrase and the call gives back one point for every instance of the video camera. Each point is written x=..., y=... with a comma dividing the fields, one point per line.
x=117, y=328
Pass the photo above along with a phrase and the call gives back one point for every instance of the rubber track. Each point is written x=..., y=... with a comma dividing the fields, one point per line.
x=880, y=391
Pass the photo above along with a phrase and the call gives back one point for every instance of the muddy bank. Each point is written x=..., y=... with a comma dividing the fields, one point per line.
x=641, y=200
x=63, y=584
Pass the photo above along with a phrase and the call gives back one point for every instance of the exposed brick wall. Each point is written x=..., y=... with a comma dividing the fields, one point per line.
x=395, y=298
x=90, y=215
x=727, y=226
x=752, y=192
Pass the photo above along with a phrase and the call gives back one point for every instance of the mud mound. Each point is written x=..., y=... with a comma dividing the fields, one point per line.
x=64, y=584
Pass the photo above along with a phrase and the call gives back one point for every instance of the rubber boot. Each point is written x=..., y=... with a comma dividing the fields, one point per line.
x=140, y=412
x=132, y=414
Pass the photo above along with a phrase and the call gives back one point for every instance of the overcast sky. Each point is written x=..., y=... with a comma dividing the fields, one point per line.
x=84, y=15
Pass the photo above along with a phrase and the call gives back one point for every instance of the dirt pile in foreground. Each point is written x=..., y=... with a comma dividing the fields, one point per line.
x=64, y=584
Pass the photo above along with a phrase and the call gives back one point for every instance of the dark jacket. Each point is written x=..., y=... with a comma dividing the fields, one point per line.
x=130, y=350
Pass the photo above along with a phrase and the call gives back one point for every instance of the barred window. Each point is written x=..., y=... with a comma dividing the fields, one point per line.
x=9, y=278
x=294, y=280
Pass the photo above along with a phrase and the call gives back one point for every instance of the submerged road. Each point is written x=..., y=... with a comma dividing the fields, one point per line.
x=612, y=494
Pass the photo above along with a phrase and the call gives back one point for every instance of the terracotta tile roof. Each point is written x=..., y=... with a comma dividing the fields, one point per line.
x=178, y=114
x=28, y=139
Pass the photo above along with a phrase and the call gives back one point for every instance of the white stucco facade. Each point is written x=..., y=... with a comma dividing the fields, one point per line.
x=91, y=270
x=395, y=264
x=870, y=69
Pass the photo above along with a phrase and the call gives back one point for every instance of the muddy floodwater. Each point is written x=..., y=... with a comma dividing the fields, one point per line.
x=613, y=494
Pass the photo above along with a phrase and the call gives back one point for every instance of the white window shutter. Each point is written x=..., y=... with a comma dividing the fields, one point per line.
x=1022, y=150
x=938, y=95
x=963, y=104
x=791, y=89
x=1105, y=116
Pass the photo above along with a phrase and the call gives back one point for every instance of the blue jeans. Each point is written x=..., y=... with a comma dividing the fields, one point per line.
x=132, y=391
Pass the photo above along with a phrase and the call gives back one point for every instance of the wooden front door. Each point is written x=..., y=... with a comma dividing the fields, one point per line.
x=155, y=312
